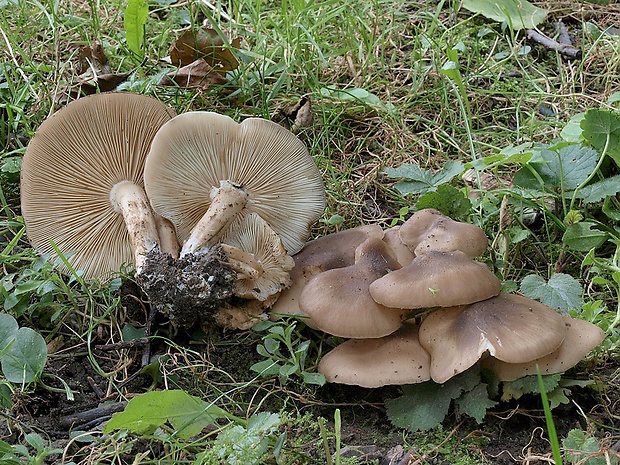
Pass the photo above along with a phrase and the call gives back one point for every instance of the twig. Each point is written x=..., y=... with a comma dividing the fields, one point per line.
x=565, y=50
x=562, y=31
x=91, y=415
x=122, y=345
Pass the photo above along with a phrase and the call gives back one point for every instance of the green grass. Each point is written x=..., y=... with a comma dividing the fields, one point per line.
x=394, y=51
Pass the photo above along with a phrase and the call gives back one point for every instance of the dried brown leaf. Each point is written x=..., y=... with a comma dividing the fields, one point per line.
x=198, y=74
x=207, y=44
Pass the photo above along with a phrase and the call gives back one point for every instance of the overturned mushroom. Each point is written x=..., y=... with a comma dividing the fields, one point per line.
x=205, y=172
x=436, y=279
x=511, y=328
x=581, y=337
x=394, y=359
x=82, y=184
x=429, y=230
x=339, y=303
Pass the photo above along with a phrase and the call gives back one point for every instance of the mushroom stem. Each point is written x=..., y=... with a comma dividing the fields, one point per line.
x=130, y=200
x=167, y=236
x=243, y=263
x=227, y=201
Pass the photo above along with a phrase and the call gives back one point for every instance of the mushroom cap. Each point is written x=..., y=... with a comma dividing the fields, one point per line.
x=256, y=237
x=335, y=250
x=339, y=303
x=69, y=169
x=510, y=327
x=195, y=151
x=395, y=359
x=436, y=279
x=581, y=337
x=430, y=230
x=403, y=254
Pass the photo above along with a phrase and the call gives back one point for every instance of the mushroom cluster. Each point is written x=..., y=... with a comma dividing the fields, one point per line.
x=117, y=178
x=415, y=306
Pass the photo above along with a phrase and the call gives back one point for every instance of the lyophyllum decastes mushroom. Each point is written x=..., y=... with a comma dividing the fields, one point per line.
x=82, y=184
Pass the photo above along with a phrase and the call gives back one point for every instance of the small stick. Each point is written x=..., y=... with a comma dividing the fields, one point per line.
x=122, y=345
x=93, y=414
x=562, y=32
x=565, y=50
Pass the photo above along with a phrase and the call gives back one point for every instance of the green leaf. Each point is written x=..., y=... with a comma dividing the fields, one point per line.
x=600, y=190
x=187, y=415
x=313, y=378
x=583, y=236
x=136, y=15
x=528, y=385
x=519, y=14
x=561, y=291
x=572, y=130
x=448, y=200
x=8, y=330
x=356, y=95
x=266, y=367
x=416, y=180
x=582, y=448
x=475, y=402
x=601, y=128
x=23, y=362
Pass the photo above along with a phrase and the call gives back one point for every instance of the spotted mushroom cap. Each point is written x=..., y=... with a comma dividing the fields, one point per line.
x=70, y=168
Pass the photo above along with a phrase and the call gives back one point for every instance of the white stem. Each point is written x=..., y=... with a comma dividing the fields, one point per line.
x=243, y=263
x=167, y=236
x=130, y=201
x=227, y=202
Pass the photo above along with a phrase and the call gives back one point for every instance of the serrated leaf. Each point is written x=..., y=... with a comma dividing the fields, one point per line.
x=599, y=190
x=519, y=14
x=187, y=414
x=420, y=410
x=24, y=360
x=416, y=180
x=528, y=385
x=448, y=200
x=476, y=402
x=135, y=18
x=584, y=236
x=561, y=291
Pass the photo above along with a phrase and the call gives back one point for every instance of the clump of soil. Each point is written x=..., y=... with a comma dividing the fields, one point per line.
x=188, y=289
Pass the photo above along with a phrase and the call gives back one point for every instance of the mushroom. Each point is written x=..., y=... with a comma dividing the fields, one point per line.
x=581, y=337
x=394, y=359
x=430, y=230
x=391, y=237
x=82, y=183
x=338, y=301
x=436, y=279
x=335, y=250
x=205, y=172
x=511, y=328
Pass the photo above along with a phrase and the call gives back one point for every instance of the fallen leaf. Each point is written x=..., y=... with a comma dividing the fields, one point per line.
x=198, y=74
x=298, y=116
x=207, y=44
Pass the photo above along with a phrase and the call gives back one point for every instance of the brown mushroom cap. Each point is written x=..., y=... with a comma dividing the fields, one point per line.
x=203, y=158
x=403, y=254
x=82, y=181
x=581, y=337
x=335, y=250
x=430, y=230
x=395, y=359
x=436, y=279
x=339, y=303
x=511, y=328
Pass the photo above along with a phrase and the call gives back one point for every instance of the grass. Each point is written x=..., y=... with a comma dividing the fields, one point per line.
x=507, y=91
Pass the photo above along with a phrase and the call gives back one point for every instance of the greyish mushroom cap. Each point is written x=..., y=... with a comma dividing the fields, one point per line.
x=339, y=303
x=509, y=327
x=395, y=359
x=581, y=337
x=194, y=153
x=436, y=279
x=70, y=169
x=430, y=230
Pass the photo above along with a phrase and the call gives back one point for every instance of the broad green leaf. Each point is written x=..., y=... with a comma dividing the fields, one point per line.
x=476, y=402
x=23, y=362
x=572, y=130
x=584, y=236
x=582, y=448
x=601, y=128
x=187, y=414
x=528, y=385
x=599, y=190
x=136, y=14
x=356, y=95
x=519, y=14
x=313, y=378
x=416, y=180
x=448, y=200
x=8, y=330
x=561, y=291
